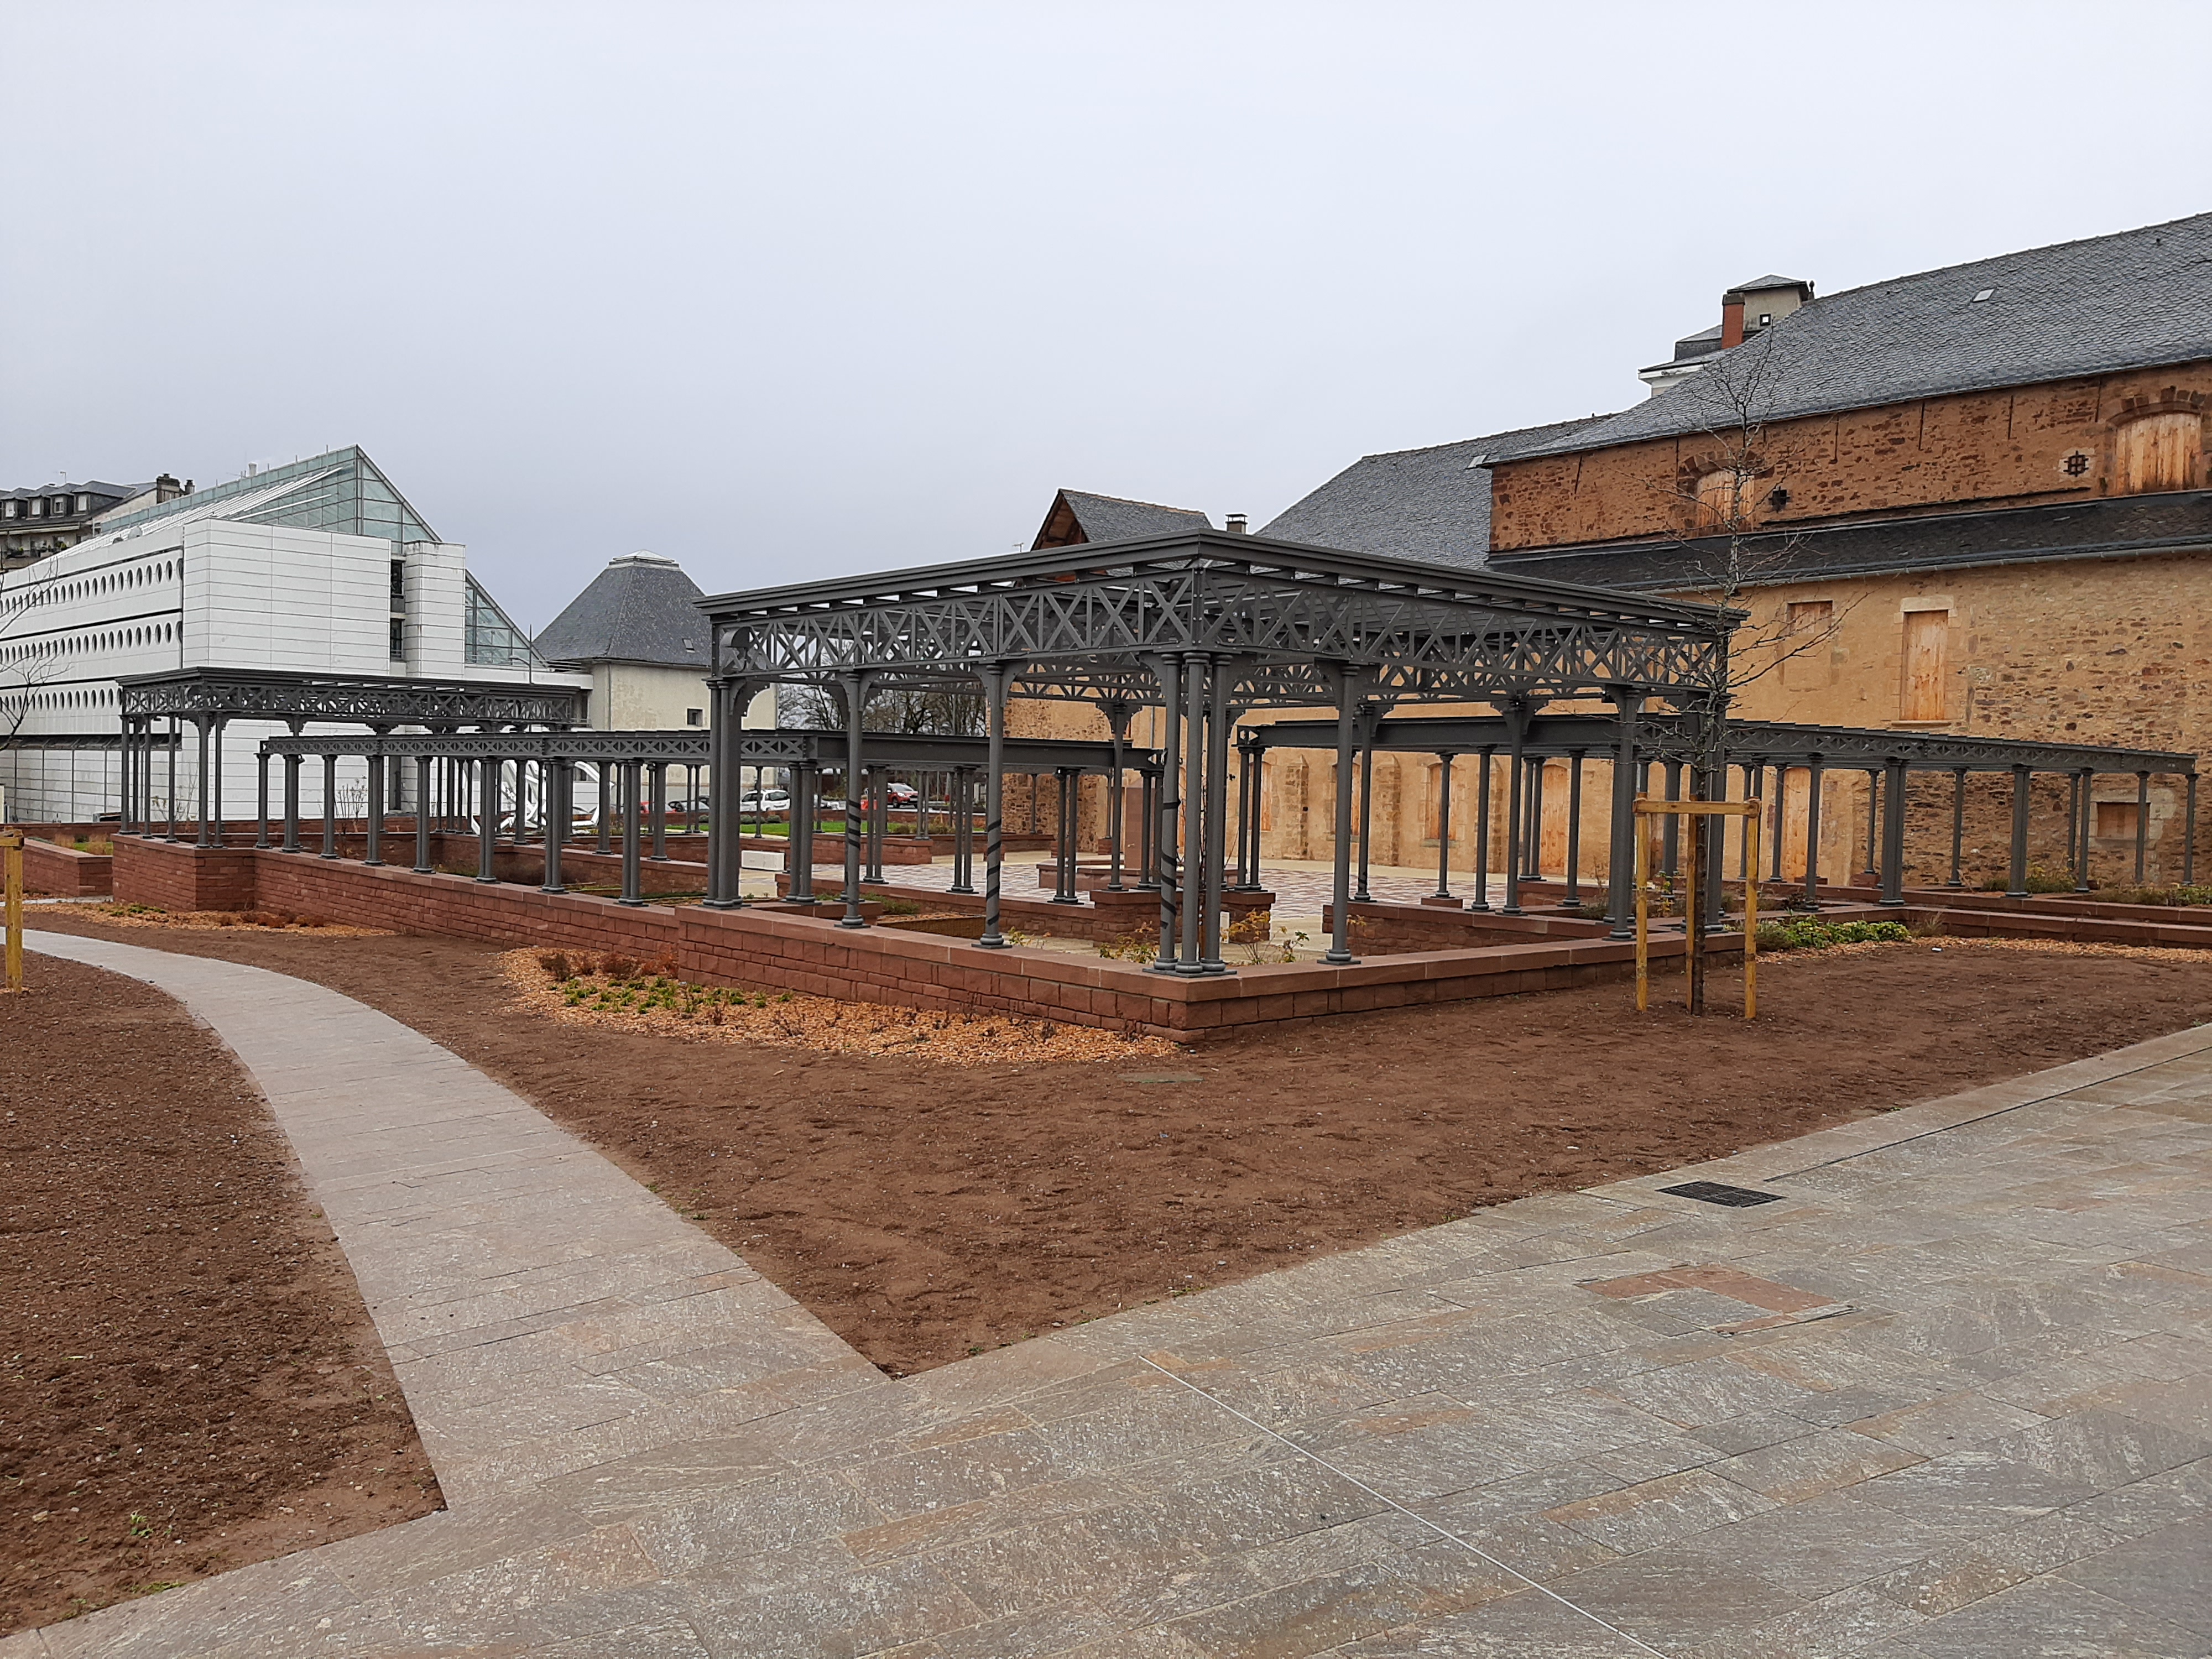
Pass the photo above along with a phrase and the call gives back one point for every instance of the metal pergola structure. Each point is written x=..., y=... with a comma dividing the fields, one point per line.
x=1633, y=741
x=1204, y=627
x=208, y=699
x=494, y=768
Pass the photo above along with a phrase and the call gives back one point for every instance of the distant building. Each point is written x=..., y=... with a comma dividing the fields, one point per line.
x=45, y=520
x=317, y=566
x=1077, y=517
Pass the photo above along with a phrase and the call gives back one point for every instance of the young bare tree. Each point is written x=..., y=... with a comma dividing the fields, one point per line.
x=25, y=664
x=1728, y=546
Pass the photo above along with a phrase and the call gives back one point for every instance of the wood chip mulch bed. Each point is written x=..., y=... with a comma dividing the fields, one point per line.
x=620, y=993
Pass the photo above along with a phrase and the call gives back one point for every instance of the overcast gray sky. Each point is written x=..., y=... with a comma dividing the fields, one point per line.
x=784, y=290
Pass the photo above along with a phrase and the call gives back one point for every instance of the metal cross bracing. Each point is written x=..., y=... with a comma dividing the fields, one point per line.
x=1082, y=621
x=1204, y=627
x=351, y=699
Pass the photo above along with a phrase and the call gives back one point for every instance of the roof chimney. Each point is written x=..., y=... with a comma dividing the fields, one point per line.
x=1731, y=318
x=1235, y=523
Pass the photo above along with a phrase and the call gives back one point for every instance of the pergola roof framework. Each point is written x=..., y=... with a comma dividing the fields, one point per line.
x=1075, y=624
x=689, y=746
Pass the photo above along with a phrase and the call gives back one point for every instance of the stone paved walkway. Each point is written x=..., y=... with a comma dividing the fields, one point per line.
x=1950, y=1395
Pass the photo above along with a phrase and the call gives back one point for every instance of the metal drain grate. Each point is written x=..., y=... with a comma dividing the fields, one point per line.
x=1712, y=1191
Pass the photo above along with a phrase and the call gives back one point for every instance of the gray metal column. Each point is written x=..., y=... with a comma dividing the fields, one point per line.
x=1063, y=851
x=1670, y=833
x=330, y=807
x=1338, y=953
x=725, y=854
x=1532, y=854
x=422, y=865
x=202, y=726
x=2188, y=835
x=1167, y=873
x=1196, y=669
x=212, y=806
x=964, y=830
x=806, y=813
x=1780, y=803
x=2021, y=781
x=1620, y=844
x=373, y=851
x=2081, y=814
x=2076, y=843
x=633, y=885
x=603, y=776
x=261, y=797
x=1957, y=824
x=2143, y=826
x=995, y=678
x=1892, y=832
x=1815, y=778
x=879, y=815
x=1481, y=899
x=659, y=800
x=1366, y=817
x=292, y=764
x=1219, y=718
x=1148, y=828
x=174, y=744
x=856, y=698
x=488, y=821
x=553, y=793
x=1516, y=728
x=1575, y=831
x=1444, y=758
x=1874, y=807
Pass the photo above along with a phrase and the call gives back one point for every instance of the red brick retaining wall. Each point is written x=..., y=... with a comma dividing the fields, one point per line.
x=65, y=871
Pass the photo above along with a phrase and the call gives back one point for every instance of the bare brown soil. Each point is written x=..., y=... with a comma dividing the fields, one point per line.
x=188, y=1379
x=927, y=1212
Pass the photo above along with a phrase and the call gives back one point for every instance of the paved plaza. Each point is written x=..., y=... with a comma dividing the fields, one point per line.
x=1948, y=1394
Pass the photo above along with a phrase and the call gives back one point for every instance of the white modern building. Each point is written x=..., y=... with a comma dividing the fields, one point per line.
x=317, y=566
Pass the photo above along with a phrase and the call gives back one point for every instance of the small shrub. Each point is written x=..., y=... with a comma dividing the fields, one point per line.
x=1253, y=927
x=618, y=968
x=555, y=962
x=1137, y=947
x=1806, y=933
x=228, y=919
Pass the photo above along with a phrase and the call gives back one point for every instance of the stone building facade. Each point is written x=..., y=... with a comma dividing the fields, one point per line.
x=1973, y=500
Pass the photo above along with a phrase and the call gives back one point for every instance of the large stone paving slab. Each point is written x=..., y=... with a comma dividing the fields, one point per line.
x=1950, y=1393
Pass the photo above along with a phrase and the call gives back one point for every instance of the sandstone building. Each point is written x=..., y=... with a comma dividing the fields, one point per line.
x=1973, y=499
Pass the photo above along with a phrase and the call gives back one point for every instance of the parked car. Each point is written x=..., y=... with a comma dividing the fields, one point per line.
x=764, y=800
x=895, y=795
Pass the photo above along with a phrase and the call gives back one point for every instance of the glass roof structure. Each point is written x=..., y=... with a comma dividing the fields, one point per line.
x=342, y=492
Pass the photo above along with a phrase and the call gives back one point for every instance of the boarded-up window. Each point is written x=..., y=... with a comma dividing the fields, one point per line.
x=1723, y=498
x=1927, y=642
x=2117, y=818
x=1807, y=645
x=2159, y=452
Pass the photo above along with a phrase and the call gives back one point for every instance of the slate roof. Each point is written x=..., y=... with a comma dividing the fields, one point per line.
x=92, y=487
x=2131, y=301
x=2113, y=526
x=1431, y=504
x=640, y=608
x=1077, y=516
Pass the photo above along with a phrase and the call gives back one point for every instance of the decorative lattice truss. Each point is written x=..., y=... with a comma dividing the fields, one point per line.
x=1090, y=621
x=688, y=746
x=343, y=699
